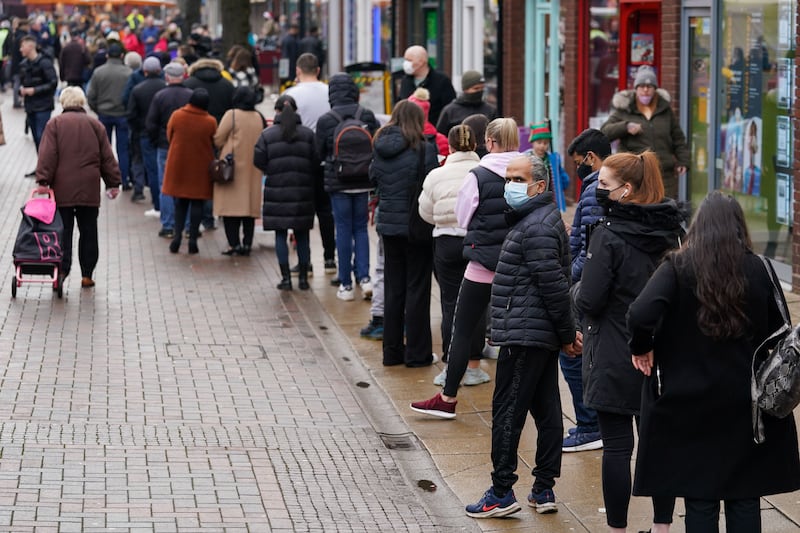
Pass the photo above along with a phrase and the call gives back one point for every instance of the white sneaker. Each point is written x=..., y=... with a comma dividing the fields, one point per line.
x=366, y=288
x=475, y=376
x=490, y=352
x=152, y=213
x=345, y=293
x=441, y=378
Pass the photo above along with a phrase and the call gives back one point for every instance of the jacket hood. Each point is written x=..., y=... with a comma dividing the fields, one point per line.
x=625, y=99
x=652, y=228
x=390, y=143
x=498, y=162
x=342, y=90
x=207, y=69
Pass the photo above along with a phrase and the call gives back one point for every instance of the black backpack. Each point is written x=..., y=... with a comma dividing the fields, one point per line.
x=352, y=147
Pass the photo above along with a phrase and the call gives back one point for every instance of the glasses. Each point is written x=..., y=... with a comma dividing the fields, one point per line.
x=581, y=162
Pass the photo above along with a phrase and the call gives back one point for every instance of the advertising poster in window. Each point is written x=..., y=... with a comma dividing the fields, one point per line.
x=642, y=49
x=751, y=183
x=783, y=211
x=785, y=26
x=785, y=83
x=783, y=151
x=733, y=143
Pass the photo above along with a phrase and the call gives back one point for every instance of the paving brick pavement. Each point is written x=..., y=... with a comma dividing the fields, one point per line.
x=184, y=393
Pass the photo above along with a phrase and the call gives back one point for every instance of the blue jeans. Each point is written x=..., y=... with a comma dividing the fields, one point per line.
x=150, y=160
x=120, y=124
x=350, y=214
x=586, y=417
x=282, y=248
x=36, y=122
x=167, y=203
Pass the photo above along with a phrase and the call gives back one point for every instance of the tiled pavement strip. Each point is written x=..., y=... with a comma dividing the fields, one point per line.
x=184, y=393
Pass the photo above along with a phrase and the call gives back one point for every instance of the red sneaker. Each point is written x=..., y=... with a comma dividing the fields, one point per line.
x=436, y=406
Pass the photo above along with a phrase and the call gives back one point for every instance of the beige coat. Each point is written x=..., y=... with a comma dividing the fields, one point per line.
x=242, y=198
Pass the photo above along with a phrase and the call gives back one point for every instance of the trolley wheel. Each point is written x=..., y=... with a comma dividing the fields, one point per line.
x=14, y=287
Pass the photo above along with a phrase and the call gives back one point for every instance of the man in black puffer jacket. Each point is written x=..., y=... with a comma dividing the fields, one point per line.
x=207, y=73
x=349, y=199
x=531, y=320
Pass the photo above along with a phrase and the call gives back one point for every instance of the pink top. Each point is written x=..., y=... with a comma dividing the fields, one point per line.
x=467, y=203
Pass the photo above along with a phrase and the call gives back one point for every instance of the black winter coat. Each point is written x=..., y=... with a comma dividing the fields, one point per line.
x=530, y=293
x=164, y=103
x=440, y=87
x=41, y=75
x=343, y=97
x=395, y=173
x=291, y=169
x=624, y=250
x=696, y=435
x=456, y=111
x=206, y=74
x=140, y=100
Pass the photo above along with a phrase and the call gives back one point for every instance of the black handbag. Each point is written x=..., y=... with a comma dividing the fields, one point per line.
x=775, y=382
x=222, y=170
x=419, y=231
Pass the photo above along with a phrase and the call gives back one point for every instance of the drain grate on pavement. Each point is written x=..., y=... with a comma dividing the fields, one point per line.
x=404, y=442
x=216, y=351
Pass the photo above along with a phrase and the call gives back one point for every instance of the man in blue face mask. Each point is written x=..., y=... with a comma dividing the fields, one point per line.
x=531, y=321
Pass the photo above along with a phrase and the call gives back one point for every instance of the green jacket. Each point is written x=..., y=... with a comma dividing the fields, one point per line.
x=661, y=133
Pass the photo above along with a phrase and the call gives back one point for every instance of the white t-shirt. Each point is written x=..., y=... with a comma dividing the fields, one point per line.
x=312, y=101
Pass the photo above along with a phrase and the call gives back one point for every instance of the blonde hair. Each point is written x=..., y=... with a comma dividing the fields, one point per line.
x=504, y=132
x=424, y=94
x=72, y=97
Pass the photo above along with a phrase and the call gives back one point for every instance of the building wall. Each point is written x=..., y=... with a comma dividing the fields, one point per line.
x=569, y=120
x=513, y=60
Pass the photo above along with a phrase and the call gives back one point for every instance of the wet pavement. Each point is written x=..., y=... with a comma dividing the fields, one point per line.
x=186, y=393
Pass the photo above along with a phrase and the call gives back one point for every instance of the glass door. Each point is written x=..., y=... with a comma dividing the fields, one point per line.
x=700, y=178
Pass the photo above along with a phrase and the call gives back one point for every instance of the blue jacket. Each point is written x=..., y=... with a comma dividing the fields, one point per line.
x=587, y=213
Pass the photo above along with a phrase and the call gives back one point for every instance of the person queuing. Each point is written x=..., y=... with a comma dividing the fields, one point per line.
x=531, y=321
x=400, y=149
x=639, y=227
x=285, y=152
x=480, y=208
x=693, y=332
x=418, y=73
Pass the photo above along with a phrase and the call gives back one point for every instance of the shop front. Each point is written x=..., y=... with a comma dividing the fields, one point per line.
x=738, y=99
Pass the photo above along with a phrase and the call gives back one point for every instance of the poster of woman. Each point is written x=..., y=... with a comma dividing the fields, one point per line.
x=752, y=157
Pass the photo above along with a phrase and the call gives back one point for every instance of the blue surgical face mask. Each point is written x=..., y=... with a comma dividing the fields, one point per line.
x=516, y=194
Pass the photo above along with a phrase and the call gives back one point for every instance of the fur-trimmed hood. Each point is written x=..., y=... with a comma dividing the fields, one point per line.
x=214, y=64
x=625, y=99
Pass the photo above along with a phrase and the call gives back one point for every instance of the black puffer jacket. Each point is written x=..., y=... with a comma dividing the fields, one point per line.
x=456, y=111
x=343, y=97
x=530, y=292
x=207, y=73
x=41, y=75
x=291, y=170
x=624, y=251
x=394, y=171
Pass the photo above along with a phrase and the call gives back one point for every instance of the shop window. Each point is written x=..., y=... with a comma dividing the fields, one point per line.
x=603, y=59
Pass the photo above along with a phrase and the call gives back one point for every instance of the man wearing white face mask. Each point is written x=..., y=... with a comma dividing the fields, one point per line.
x=418, y=73
x=642, y=119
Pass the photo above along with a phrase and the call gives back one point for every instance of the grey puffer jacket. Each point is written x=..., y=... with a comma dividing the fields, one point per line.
x=530, y=292
x=394, y=171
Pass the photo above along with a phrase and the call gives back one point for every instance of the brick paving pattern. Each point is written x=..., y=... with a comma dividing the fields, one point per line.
x=182, y=393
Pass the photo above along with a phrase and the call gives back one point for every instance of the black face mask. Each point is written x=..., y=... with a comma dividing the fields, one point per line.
x=584, y=171
x=473, y=98
x=603, y=197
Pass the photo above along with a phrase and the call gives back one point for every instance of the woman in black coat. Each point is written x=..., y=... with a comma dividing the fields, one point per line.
x=408, y=266
x=625, y=248
x=286, y=154
x=698, y=321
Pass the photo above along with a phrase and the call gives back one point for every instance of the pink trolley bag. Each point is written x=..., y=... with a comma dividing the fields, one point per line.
x=37, y=250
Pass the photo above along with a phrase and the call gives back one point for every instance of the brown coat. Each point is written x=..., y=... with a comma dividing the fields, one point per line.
x=73, y=156
x=190, y=132
x=242, y=198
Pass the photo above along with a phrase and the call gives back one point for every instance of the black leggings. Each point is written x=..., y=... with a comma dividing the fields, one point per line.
x=617, y=433
x=232, y=224
x=470, y=311
x=195, y=209
x=88, y=249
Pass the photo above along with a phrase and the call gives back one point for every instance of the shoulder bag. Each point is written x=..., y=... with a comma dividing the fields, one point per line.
x=775, y=382
x=221, y=170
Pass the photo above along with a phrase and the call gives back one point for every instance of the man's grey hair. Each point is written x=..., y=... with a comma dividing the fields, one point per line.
x=539, y=170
